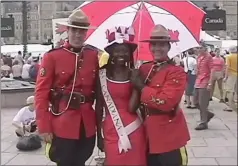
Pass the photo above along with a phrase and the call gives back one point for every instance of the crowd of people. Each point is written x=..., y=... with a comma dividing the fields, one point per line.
x=20, y=67
x=204, y=70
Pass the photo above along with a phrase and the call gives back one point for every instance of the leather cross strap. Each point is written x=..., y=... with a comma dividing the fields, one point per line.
x=148, y=111
x=154, y=69
x=77, y=67
x=79, y=62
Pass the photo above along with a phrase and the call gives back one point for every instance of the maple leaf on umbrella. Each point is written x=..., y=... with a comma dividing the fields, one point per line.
x=60, y=28
x=174, y=34
x=60, y=43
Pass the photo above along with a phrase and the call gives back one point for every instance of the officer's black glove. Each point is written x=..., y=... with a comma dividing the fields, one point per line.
x=100, y=143
x=136, y=79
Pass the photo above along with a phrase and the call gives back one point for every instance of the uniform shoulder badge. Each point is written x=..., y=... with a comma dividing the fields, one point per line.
x=42, y=72
x=91, y=47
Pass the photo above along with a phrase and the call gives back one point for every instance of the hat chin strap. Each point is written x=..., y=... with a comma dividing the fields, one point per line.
x=162, y=59
x=68, y=46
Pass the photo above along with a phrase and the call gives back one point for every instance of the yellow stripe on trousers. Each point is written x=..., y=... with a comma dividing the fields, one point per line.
x=184, y=156
x=183, y=153
x=47, y=150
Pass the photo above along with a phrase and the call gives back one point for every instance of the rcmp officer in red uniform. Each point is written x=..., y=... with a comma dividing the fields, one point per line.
x=162, y=85
x=67, y=80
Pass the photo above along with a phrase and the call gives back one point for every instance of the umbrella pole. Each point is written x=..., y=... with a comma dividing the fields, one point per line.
x=138, y=63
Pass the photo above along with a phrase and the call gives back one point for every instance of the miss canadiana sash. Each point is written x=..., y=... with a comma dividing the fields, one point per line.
x=123, y=132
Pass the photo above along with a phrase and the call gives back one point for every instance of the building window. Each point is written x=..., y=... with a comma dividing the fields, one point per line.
x=36, y=7
x=19, y=18
x=28, y=36
x=28, y=26
x=66, y=8
x=37, y=36
x=45, y=36
x=47, y=6
x=48, y=25
x=58, y=6
x=36, y=25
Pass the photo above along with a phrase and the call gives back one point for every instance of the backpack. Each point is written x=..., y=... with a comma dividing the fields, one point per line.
x=33, y=71
x=29, y=143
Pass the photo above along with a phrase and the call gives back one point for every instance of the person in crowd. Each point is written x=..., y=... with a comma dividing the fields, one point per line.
x=218, y=69
x=19, y=58
x=190, y=67
x=8, y=59
x=227, y=52
x=1, y=62
x=5, y=69
x=212, y=53
x=28, y=56
x=231, y=76
x=24, y=121
x=162, y=84
x=203, y=85
x=130, y=148
x=67, y=80
x=177, y=60
x=41, y=57
x=25, y=70
x=17, y=70
x=33, y=71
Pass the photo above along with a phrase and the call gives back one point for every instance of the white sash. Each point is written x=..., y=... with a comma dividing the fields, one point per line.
x=123, y=132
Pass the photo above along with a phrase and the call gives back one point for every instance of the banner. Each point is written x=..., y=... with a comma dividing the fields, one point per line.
x=215, y=20
x=59, y=31
x=7, y=27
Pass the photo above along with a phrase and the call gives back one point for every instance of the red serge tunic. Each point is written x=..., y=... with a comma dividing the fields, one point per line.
x=121, y=93
x=56, y=68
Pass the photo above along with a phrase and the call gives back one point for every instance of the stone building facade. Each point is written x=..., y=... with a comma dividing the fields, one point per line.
x=231, y=16
x=40, y=15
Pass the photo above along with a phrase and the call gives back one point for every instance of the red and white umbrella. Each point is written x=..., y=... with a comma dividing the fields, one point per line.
x=183, y=20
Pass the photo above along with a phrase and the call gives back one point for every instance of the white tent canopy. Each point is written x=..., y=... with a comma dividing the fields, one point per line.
x=228, y=43
x=35, y=49
x=206, y=37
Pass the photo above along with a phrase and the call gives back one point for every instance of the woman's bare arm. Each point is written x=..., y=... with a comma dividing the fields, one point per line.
x=99, y=107
x=134, y=101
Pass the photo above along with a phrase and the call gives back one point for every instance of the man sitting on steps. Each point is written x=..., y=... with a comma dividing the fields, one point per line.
x=24, y=121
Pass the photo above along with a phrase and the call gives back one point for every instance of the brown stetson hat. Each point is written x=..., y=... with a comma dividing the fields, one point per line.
x=78, y=19
x=159, y=33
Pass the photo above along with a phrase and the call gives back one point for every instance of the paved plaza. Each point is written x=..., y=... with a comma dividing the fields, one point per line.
x=216, y=146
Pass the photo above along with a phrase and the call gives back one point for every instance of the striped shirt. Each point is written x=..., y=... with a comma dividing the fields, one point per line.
x=204, y=67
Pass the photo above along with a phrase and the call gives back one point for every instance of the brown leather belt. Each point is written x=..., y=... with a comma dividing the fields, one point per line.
x=151, y=112
x=80, y=97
